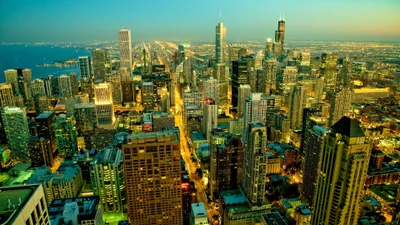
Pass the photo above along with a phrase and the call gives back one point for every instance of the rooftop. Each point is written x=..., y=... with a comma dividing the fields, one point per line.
x=348, y=127
x=45, y=115
x=87, y=207
x=199, y=209
x=274, y=218
x=160, y=136
x=197, y=136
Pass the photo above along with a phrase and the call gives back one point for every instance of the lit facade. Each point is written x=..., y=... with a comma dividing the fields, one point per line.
x=125, y=51
x=6, y=95
x=104, y=103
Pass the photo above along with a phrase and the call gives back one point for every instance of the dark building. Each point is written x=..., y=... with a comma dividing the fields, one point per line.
x=187, y=192
x=39, y=151
x=128, y=91
x=45, y=129
x=239, y=76
x=376, y=160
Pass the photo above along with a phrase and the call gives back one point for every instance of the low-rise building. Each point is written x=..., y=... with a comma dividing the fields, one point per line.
x=198, y=215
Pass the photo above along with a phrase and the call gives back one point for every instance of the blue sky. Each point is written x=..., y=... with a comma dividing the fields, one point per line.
x=90, y=20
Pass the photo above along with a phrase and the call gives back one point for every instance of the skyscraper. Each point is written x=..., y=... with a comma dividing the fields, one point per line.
x=220, y=43
x=341, y=175
x=12, y=78
x=243, y=94
x=270, y=66
x=66, y=135
x=104, y=103
x=39, y=151
x=107, y=175
x=64, y=84
x=27, y=76
x=297, y=102
x=116, y=89
x=85, y=116
x=99, y=64
x=223, y=83
x=211, y=89
x=125, y=51
x=210, y=117
x=340, y=105
x=239, y=76
x=16, y=126
x=328, y=70
x=37, y=87
x=6, y=95
x=85, y=67
x=278, y=46
x=152, y=169
x=319, y=89
x=254, y=166
x=45, y=128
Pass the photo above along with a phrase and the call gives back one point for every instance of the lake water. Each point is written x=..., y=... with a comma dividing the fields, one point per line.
x=28, y=56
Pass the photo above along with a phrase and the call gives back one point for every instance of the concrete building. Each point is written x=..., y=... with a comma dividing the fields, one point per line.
x=211, y=89
x=341, y=175
x=125, y=52
x=210, y=117
x=340, y=105
x=147, y=200
x=23, y=205
x=104, y=103
x=116, y=89
x=297, y=102
x=369, y=94
x=162, y=119
x=220, y=43
x=12, y=78
x=243, y=95
x=66, y=135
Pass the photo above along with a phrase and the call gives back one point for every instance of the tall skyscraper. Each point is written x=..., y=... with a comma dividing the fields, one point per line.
x=66, y=135
x=239, y=76
x=116, y=89
x=42, y=103
x=27, y=76
x=340, y=105
x=278, y=46
x=341, y=175
x=297, y=102
x=270, y=68
x=107, y=175
x=12, y=78
x=85, y=67
x=87, y=87
x=39, y=151
x=254, y=166
x=74, y=83
x=99, y=64
x=319, y=89
x=243, y=94
x=6, y=95
x=315, y=144
x=220, y=43
x=211, y=89
x=328, y=70
x=210, y=117
x=37, y=87
x=45, y=128
x=148, y=95
x=152, y=165
x=223, y=82
x=85, y=116
x=64, y=84
x=104, y=103
x=125, y=51
x=16, y=126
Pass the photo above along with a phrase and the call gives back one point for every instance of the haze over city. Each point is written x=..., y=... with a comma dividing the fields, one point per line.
x=82, y=21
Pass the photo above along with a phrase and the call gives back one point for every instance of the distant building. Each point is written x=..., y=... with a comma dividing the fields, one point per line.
x=12, y=78
x=239, y=76
x=211, y=89
x=74, y=211
x=340, y=105
x=23, y=205
x=116, y=89
x=243, y=94
x=39, y=151
x=99, y=64
x=369, y=95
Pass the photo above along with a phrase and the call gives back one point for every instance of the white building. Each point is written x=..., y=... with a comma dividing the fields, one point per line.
x=125, y=51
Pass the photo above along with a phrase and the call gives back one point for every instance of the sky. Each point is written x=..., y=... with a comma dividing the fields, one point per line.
x=30, y=21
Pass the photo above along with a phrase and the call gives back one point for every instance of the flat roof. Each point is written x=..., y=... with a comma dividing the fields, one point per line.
x=199, y=209
x=45, y=114
x=197, y=136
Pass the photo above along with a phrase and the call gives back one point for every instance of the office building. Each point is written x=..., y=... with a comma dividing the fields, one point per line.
x=74, y=211
x=147, y=199
x=163, y=119
x=315, y=144
x=226, y=162
x=66, y=135
x=239, y=76
x=99, y=64
x=148, y=95
x=312, y=116
x=64, y=85
x=16, y=128
x=125, y=51
x=85, y=116
x=104, y=103
x=211, y=89
x=221, y=74
x=243, y=95
x=6, y=95
x=116, y=89
x=319, y=89
x=270, y=69
x=369, y=94
x=210, y=117
x=45, y=123
x=107, y=176
x=23, y=204
x=220, y=43
x=272, y=218
x=297, y=102
x=74, y=83
x=12, y=78
x=85, y=67
x=192, y=98
x=341, y=174
x=198, y=215
x=328, y=70
x=278, y=45
x=254, y=166
x=87, y=87
x=340, y=105
x=39, y=151
x=38, y=87
x=273, y=164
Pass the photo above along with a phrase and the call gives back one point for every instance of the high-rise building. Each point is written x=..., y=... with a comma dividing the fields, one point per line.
x=312, y=116
x=243, y=94
x=66, y=135
x=278, y=46
x=12, y=78
x=45, y=128
x=319, y=89
x=74, y=83
x=210, y=117
x=221, y=74
x=148, y=95
x=341, y=174
x=87, y=87
x=104, y=103
x=152, y=165
x=226, y=162
x=297, y=102
x=220, y=43
x=340, y=105
x=288, y=79
x=37, y=87
x=328, y=70
x=315, y=144
x=6, y=95
x=85, y=67
x=16, y=128
x=85, y=116
x=64, y=85
x=270, y=66
x=125, y=51
x=23, y=87
x=192, y=98
x=26, y=205
x=116, y=89
x=239, y=76
x=39, y=151
x=211, y=89
x=99, y=64
x=254, y=166
x=107, y=175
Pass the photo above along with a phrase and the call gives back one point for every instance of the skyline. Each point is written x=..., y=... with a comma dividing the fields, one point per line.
x=63, y=21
